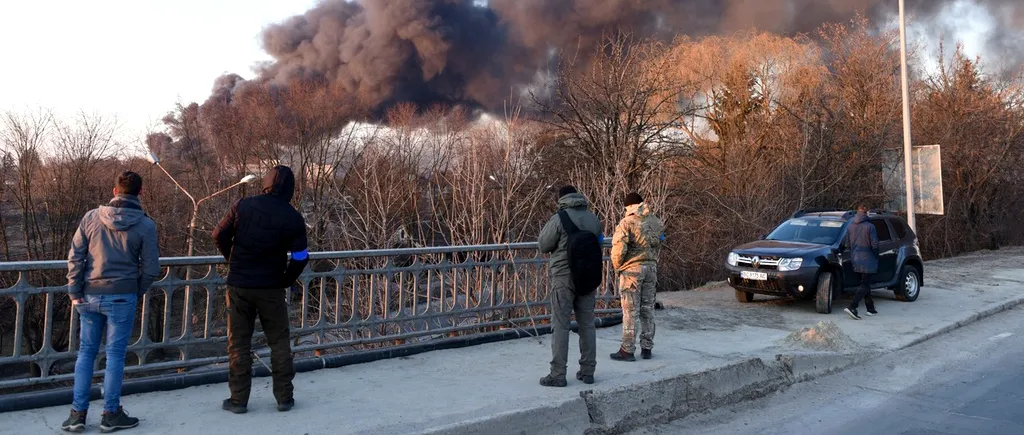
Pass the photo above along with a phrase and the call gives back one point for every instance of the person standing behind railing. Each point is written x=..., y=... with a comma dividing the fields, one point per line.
x=573, y=216
x=255, y=237
x=113, y=260
x=636, y=245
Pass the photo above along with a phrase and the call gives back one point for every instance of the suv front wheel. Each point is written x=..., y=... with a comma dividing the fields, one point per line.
x=909, y=285
x=826, y=289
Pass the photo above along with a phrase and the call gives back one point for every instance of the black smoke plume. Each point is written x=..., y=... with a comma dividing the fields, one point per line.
x=478, y=53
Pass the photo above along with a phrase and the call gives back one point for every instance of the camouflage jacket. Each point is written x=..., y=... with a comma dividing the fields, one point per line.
x=638, y=239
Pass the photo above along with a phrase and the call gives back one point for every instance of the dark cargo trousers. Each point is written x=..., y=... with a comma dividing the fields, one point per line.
x=563, y=304
x=244, y=305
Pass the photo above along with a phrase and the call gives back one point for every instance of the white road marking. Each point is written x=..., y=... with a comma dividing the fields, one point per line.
x=1000, y=336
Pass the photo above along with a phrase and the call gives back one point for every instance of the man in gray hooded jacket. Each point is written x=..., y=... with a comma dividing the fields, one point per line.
x=564, y=300
x=113, y=260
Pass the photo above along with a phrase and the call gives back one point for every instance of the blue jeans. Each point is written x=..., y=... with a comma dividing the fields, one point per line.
x=113, y=316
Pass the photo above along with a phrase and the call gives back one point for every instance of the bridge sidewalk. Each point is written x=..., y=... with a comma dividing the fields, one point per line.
x=709, y=350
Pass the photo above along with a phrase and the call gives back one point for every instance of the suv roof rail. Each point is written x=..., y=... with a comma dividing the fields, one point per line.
x=806, y=211
x=880, y=211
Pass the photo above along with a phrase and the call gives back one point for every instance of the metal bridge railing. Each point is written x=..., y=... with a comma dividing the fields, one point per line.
x=349, y=301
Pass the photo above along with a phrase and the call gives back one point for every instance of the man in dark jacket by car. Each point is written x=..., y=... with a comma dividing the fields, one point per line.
x=564, y=300
x=256, y=237
x=862, y=239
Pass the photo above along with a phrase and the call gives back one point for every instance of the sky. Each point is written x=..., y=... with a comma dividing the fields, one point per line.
x=130, y=58
x=135, y=59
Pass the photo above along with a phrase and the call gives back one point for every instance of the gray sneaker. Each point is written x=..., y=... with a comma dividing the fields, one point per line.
x=75, y=422
x=116, y=421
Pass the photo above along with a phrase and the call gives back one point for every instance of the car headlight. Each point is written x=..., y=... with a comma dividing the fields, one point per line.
x=733, y=259
x=790, y=264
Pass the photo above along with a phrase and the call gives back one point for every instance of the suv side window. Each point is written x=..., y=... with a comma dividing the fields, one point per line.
x=899, y=228
x=882, y=229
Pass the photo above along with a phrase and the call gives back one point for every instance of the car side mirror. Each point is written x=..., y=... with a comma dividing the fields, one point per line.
x=761, y=237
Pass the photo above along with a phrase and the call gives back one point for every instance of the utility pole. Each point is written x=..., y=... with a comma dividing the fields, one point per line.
x=908, y=165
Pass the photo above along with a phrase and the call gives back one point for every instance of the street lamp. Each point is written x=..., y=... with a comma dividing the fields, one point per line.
x=908, y=166
x=152, y=158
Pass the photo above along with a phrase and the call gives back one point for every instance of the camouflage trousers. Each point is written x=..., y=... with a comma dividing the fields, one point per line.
x=637, y=291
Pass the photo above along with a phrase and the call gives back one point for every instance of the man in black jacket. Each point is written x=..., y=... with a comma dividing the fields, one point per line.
x=256, y=237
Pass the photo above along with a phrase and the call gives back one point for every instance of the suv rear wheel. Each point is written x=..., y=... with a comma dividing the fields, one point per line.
x=744, y=297
x=909, y=286
x=826, y=288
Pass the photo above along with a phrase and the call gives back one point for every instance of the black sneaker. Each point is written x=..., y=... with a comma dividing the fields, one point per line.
x=286, y=406
x=587, y=379
x=551, y=381
x=646, y=354
x=853, y=313
x=117, y=421
x=622, y=355
x=233, y=407
x=75, y=422
x=872, y=312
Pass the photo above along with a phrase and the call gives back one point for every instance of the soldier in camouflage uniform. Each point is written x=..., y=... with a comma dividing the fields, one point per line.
x=635, y=248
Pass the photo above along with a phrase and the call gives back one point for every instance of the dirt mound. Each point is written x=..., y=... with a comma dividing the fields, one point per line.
x=823, y=336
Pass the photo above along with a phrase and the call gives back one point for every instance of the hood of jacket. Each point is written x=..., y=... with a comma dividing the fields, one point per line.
x=573, y=200
x=637, y=210
x=121, y=213
x=279, y=182
x=860, y=218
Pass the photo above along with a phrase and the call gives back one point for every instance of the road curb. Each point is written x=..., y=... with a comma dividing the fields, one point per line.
x=634, y=406
x=990, y=311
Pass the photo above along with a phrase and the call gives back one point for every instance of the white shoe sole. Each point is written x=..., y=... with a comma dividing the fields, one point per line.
x=853, y=316
x=75, y=428
x=109, y=429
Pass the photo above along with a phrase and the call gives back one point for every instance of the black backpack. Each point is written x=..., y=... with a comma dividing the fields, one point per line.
x=586, y=257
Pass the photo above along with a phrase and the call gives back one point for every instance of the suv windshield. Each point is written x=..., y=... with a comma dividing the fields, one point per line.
x=804, y=230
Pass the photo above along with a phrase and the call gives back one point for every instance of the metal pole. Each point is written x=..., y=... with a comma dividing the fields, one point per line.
x=908, y=166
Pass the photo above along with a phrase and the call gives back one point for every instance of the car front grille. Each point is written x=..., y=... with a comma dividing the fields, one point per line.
x=757, y=262
x=770, y=286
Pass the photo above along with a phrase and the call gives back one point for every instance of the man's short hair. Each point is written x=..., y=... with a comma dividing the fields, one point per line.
x=566, y=190
x=128, y=183
x=862, y=208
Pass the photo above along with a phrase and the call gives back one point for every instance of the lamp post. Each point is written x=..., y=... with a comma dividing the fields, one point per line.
x=195, y=204
x=152, y=158
x=908, y=166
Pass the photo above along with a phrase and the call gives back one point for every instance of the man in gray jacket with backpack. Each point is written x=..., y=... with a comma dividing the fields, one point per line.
x=572, y=237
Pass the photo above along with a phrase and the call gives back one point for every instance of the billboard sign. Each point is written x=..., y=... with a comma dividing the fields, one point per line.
x=927, y=167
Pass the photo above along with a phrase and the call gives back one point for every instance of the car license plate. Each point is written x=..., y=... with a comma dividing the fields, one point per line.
x=755, y=276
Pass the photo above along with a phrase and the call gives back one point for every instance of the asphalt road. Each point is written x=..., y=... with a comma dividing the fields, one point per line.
x=970, y=381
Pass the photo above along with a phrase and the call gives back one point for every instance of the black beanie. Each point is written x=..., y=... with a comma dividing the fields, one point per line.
x=633, y=198
x=565, y=190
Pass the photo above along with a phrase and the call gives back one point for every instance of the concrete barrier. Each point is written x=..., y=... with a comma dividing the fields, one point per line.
x=631, y=407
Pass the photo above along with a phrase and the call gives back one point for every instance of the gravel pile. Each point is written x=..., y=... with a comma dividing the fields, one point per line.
x=826, y=336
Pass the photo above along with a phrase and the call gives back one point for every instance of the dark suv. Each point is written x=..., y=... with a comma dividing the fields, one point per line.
x=804, y=258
